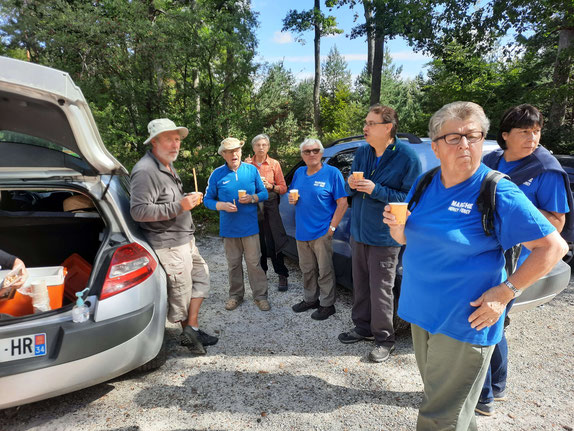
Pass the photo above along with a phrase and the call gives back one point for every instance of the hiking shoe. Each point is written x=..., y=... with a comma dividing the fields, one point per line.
x=190, y=340
x=500, y=396
x=381, y=353
x=263, y=304
x=484, y=409
x=323, y=312
x=283, y=285
x=304, y=306
x=353, y=337
x=232, y=303
x=205, y=339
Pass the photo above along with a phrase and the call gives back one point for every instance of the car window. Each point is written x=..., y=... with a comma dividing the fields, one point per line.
x=7, y=136
x=343, y=161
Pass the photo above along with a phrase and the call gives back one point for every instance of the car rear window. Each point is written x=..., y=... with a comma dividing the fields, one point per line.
x=7, y=136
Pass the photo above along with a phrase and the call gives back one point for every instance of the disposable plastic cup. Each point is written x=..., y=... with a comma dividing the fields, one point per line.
x=295, y=194
x=399, y=210
x=200, y=196
x=241, y=193
x=358, y=175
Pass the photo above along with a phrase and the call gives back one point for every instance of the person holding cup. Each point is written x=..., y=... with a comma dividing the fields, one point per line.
x=455, y=289
x=272, y=236
x=234, y=189
x=383, y=171
x=163, y=211
x=318, y=193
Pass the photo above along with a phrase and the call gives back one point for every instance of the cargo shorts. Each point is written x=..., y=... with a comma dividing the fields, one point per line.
x=187, y=278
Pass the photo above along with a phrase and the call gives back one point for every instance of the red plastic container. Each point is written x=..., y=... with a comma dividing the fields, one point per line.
x=79, y=271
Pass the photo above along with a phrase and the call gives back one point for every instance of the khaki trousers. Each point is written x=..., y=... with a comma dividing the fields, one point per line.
x=453, y=373
x=316, y=263
x=245, y=247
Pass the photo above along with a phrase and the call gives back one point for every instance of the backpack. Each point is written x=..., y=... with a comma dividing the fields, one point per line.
x=486, y=204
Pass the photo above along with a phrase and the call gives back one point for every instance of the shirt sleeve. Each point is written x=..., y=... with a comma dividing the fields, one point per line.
x=6, y=260
x=279, y=178
x=551, y=193
x=143, y=200
x=517, y=219
x=338, y=185
x=389, y=194
x=210, y=199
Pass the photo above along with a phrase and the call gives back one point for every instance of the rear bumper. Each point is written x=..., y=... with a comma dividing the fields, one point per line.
x=81, y=355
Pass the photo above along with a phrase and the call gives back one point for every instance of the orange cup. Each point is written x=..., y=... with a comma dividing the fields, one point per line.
x=241, y=193
x=358, y=175
x=295, y=194
x=399, y=210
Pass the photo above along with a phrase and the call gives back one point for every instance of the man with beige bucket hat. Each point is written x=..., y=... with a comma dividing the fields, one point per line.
x=163, y=211
x=234, y=189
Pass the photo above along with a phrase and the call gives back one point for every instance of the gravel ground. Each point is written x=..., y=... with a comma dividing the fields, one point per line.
x=279, y=370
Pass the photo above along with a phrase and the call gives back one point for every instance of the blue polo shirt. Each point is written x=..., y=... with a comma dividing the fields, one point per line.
x=318, y=194
x=449, y=261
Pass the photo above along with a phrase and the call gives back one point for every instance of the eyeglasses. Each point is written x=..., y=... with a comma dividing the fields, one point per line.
x=373, y=123
x=235, y=150
x=313, y=150
x=454, y=138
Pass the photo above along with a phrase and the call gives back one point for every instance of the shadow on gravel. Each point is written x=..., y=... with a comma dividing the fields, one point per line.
x=248, y=392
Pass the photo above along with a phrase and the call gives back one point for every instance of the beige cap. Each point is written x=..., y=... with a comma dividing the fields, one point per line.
x=160, y=125
x=229, y=144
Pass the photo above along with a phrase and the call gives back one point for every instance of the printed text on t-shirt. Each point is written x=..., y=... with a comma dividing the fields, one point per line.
x=462, y=207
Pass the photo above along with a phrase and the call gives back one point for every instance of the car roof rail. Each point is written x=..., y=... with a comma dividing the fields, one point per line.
x=412, y=138
x=343, y=140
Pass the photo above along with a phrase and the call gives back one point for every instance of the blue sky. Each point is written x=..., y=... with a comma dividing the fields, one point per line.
x=276, y=46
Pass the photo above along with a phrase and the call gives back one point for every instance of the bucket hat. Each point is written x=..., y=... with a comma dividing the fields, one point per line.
x=160, y=125
x=229, y=144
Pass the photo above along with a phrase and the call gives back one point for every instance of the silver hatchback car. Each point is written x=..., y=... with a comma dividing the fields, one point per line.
x=52, y=154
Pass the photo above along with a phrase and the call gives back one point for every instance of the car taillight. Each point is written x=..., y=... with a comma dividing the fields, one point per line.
x=131, y=264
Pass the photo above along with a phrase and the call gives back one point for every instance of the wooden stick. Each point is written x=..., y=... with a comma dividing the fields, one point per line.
x=195, y=180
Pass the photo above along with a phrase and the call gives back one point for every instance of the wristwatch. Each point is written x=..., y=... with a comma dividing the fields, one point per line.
x=511, y=286
x=252, y=199
x=333, y=228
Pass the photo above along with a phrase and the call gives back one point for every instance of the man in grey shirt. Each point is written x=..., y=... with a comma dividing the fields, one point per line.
x=162, y=209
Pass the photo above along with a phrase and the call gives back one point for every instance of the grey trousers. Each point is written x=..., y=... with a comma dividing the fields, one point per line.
x=316, y=263
x=374, y=269
x=453, y=374
x=247, y=247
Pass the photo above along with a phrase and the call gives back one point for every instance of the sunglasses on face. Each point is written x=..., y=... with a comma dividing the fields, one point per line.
x=313, y=150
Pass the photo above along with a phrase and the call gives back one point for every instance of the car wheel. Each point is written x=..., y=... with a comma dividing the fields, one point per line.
x=399, y=324
x=160, y=358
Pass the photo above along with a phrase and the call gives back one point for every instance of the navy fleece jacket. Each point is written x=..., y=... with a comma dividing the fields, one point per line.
x=393, y=177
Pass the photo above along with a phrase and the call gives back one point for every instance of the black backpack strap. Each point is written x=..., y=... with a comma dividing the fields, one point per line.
x=486, y=201
x=423, y=183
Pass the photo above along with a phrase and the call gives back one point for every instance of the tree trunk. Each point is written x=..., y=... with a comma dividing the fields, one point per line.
x=367, y=4
x=317, y=83
x=377, y=68
x=562, y=70
x=195, y=86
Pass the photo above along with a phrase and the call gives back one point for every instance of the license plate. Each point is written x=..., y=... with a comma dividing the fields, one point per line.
x=27, y=346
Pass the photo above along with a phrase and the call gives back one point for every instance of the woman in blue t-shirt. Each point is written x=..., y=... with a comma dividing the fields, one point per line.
x=454, y=289
x=539, y=175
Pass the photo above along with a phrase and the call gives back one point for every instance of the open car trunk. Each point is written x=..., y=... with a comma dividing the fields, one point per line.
x=50, y=229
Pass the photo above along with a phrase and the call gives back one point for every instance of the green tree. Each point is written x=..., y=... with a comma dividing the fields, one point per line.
x=322, y=25
x=335, y=73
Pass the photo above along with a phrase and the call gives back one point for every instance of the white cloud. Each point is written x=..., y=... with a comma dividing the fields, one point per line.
x=282, y=37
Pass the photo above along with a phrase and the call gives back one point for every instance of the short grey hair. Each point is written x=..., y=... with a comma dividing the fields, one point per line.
x=311, y=141
x=458, y=111
x=259, y=137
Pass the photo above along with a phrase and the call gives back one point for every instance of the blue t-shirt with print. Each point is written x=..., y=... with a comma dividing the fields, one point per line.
x=223, y=185
x=546, y=191
x=449, y=261
x=318, y=194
